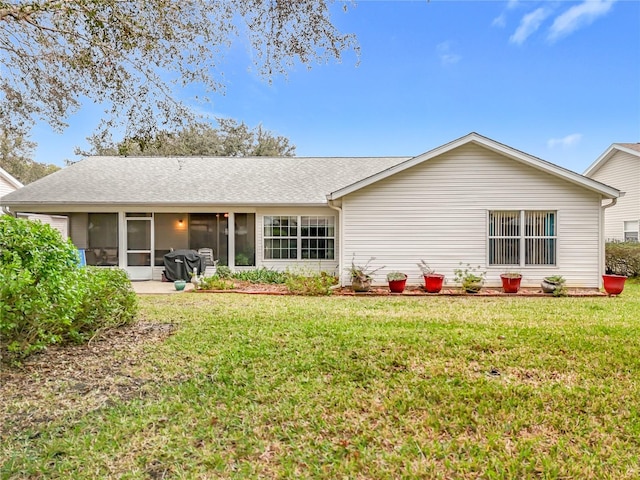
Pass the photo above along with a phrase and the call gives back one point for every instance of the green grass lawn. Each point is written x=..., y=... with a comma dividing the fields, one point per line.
x=342, y=387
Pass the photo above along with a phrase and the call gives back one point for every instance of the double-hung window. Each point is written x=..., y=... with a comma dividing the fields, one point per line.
x=299, y=237
x=522, y=237
x=631, y=231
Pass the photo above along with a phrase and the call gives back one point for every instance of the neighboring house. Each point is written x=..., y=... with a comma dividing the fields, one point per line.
x=8, y=183
x=473, y=200
x=619, y=166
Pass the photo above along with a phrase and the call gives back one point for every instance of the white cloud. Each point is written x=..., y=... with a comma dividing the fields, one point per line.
x=500, y=21
x=565, y=142
x=578, y=16
x=529, y=24
x=447, y=57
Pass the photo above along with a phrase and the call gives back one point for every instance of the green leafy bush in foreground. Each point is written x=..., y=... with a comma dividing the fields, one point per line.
x=623, y=258
x=46, y=298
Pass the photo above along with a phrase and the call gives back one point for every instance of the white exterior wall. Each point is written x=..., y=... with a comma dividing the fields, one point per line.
x=314, y=265
x=5, y=186
x=438, y=211
x=621, y=171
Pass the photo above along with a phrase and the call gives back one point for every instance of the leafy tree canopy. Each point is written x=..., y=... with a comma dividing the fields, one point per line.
x=129, y=55
x=231, y=139
x=15, y=157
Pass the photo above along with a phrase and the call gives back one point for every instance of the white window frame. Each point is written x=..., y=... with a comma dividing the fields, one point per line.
x=633, y=231
x=299, y=237
x=522, y=238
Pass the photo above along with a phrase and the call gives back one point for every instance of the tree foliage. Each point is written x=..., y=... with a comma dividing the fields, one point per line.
x=131, y=55
x=15, y=157
x=231, y=139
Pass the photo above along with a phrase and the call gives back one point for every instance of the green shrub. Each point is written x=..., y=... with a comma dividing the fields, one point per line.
x=216, y=283
x=40, y=288
x=109, y=301
x=46, y=298
x=260, y=275
x=623, y=258
x=310, y=283
x=223, y=271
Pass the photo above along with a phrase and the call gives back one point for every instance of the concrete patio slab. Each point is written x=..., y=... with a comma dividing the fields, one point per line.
x=154, y=287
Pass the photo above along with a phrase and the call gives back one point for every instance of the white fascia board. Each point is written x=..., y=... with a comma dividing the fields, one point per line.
x=399, y=167
x=602, y=159
x=10, y=178
x=576, y=178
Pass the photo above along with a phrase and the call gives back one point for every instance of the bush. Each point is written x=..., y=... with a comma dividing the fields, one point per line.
x=46, y=298
x=109, y=301
x=260, y=275
x=623, y=258
x=310, y=283
x=216, y=283
x=39, y=285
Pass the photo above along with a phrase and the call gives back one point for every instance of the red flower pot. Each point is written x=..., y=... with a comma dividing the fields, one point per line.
x=433, y=282
x=397, y=286
x=613, y=284
x=510, y=284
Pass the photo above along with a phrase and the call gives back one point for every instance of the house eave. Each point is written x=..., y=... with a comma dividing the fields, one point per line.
x=474, y=138
x=604, y=158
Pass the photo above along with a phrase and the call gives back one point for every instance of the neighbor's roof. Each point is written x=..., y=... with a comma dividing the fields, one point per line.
x=198, y=180
x=630, y=148
x=500, y=148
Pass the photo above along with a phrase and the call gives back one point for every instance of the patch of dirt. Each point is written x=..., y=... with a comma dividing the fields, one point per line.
x=66, y=382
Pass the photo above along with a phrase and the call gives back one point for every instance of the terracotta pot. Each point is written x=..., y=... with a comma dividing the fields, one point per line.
x=433, y=282
x=397, y=286
x=510, y=284
x=613, y=284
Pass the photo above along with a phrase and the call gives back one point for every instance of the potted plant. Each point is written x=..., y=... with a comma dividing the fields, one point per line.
x=470, y=278
x=554, y=284
x=361, y=275
x=613, y=284
x=511, y=281
x=397, y=281
x=432, y=281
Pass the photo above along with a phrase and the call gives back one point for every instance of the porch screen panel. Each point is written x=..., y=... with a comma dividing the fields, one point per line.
x=504, y=238
x=540, y=238
x=280, y=237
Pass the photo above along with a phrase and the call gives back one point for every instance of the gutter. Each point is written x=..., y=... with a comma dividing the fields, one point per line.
x=6, y=211
x=340, y=238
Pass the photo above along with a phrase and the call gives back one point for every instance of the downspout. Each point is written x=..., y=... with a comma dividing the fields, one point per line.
x=340, y=237
x=602, y=237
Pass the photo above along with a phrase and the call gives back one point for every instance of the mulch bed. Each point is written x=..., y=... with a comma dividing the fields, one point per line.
x=410, y=291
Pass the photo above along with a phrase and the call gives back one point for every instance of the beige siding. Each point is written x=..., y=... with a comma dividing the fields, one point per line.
x=314, y=265
x=6, y=187
x=621, y=171
x=437, y=211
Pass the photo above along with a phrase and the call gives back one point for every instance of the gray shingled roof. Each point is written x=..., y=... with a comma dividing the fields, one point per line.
x=198, y=180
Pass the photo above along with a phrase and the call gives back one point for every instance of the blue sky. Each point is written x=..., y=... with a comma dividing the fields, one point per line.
x=557, y=79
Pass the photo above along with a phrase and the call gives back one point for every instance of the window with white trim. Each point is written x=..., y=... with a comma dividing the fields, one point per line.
x=299, y=237
x=522, y=237
x=632, y=231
